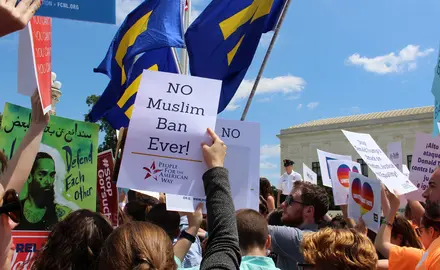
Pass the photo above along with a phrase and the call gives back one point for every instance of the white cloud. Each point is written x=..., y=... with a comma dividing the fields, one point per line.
x=123, y=7
x=299, y=107
x=265, y=39
x=405, y=60
x=266, y=99
x=265, y=165
x=282, y=84
x=269, y=151
x=194, y=14
x=312, y=105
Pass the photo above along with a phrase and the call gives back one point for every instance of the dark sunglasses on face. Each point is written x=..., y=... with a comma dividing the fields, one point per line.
x=290, y=200
x=305, y=266
x=12, y=205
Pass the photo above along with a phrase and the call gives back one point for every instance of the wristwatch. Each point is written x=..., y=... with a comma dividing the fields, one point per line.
x=187, y=236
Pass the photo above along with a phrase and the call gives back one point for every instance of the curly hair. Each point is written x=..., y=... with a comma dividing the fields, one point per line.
x=315, y=196
x=137, y=246
x=339, y=249
x=75, y=242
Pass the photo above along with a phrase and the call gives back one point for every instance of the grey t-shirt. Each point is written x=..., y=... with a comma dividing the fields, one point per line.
x=286, y=242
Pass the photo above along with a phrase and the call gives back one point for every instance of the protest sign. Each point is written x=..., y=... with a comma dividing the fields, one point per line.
x=107, y=192
x=163, y=150
x=242, y=161
x=364, y=200
x=101, y=11
x=309, y=175
x=324, y=157
x=379, y=163
x=340, y=176
x=63, y=178
x=426, y=158
x=435, y=126
x=35, y=60
x=27, y=243
x=186, y=204
x=394, y=150
x=436, y=81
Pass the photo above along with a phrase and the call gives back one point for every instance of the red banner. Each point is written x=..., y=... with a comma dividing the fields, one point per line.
x=26, y=244
x=107, y=192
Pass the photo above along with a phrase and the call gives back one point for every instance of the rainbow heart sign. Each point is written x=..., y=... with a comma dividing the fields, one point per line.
x=364, y=200
x=363, y=195
x=340, y=176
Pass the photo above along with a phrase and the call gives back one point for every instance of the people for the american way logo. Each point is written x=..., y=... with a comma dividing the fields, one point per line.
x=152, y=171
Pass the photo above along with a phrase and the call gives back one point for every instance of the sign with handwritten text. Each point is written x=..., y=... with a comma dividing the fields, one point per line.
x=394, y=151
x=163, y=149
x=379, y=162
x=107, y=191
x=27, y=244
x=309, y=175
x=63, y=177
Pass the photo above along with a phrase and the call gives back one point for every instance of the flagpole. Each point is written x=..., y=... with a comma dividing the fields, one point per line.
x=266, y=58
x=183, y=51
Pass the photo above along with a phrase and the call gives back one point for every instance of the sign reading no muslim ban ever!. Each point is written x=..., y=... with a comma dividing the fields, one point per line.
x=35, y=60
x=242, y=161
x=426, y=158
x=324, y=158
x=364, y=200
x=379, y=163
x=394, y=150
x=163, y=150
x=63, y=177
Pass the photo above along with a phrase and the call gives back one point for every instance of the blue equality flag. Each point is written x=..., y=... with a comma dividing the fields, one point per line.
x=154, y=24
x=120, y=107
x=222, y=41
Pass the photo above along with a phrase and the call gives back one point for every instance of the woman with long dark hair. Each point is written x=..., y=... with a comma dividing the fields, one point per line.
x=266, y=195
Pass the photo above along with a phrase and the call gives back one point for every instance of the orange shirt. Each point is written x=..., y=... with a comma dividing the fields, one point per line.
x=431, y=258
x=404, y=258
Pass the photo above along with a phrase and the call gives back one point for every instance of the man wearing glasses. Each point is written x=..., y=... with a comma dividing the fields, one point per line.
x=286, y=181
x=303, y=208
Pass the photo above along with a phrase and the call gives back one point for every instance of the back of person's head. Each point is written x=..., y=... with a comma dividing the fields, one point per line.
x=253, y=232
x=169, y=221
x=339, y=249
x=265, y=187
x=75, y=242
x=138, y=246
x=314, y=195
x=262, y=206
x=274, y=218
x=404, y=233
x=338, y=222
x=408, y=212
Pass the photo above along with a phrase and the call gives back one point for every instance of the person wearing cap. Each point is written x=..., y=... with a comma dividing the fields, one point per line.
x=287, y=179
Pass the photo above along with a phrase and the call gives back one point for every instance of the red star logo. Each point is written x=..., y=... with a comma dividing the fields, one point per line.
x=152, y=171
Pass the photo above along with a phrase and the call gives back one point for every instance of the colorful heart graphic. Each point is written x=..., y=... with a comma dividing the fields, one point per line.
x=355, y=169
x=362, y=195
x=344, y=175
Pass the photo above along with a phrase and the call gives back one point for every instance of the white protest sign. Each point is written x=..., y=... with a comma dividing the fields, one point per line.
x=379, y=163
x=340, y=176
x=426, y=158
x=309, y=175
x=242, y=161
x=182, y=203
x=394, y=151
x=364, y=200
x=324, y=157
x=163, y=150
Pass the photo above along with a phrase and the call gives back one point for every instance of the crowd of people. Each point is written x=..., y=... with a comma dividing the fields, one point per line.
x=293, y=233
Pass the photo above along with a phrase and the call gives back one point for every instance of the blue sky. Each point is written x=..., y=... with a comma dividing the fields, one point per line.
x=332, y=58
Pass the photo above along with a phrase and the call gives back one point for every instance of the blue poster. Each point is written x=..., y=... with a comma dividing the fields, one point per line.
x=101, y=11
x=436, y=82
x=435, y=131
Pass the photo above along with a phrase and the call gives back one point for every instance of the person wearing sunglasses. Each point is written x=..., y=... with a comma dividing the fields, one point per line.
x=303, y=209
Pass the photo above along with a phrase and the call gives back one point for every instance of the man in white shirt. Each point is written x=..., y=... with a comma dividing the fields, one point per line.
x=287, y=179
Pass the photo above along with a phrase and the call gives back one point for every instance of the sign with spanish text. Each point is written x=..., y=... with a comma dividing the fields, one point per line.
x=63, y=177
x=107, y=191
x=426, y=158
x=309, y=175
x=340, y=175
x=35, y=60
x=394, y=150
x=364, y=200
x=379, y=162
x=100, y=11
x=242, y=161
x=324, y=158
x=163, y=149
x=27, y=244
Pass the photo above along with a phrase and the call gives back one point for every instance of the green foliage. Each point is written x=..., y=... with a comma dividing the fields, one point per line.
x=110, y=139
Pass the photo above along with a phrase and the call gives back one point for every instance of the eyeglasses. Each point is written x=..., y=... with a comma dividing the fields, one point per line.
x=12, y=205
x=305, y=266
x=290, y=200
